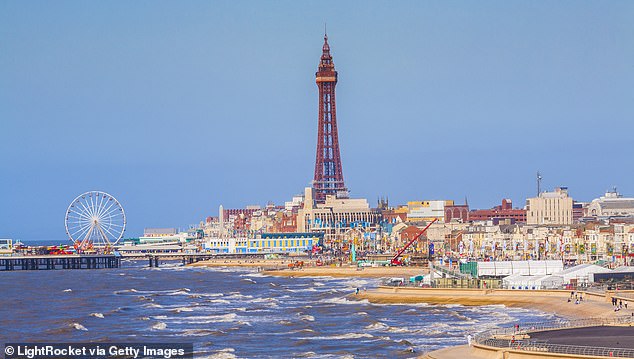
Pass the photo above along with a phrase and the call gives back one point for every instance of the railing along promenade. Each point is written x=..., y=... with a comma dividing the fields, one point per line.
x=514, y=338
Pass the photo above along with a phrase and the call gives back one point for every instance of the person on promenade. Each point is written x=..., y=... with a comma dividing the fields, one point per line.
x=620, y=304
x=625, y=304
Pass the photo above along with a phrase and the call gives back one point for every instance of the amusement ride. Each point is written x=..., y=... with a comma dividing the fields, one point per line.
x=95, y=221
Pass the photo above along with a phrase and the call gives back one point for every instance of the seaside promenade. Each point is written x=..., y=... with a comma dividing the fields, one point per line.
x=573, y=340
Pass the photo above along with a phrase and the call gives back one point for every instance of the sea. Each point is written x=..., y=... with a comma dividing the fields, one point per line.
x=232, y=313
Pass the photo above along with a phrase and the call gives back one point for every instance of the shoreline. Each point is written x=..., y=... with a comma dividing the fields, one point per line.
x=554, y=302
x=548, y=301
x=594, y=305
x=279, y=268
x=350, y=272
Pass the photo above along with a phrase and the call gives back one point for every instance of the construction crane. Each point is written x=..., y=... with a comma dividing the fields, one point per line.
x=395, y=261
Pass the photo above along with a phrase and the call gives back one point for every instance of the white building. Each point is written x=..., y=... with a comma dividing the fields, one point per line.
x=523, y=268
x=612, y=204
x=335, y=216
x=532, y=282
x=296, y=202
x=581, y=274
x=226, y=245
x=427, y=210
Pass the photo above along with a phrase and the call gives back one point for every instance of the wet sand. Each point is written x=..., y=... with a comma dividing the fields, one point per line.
x=351, y=272
x=280, y=268
x=549, y=301
x=249, y=263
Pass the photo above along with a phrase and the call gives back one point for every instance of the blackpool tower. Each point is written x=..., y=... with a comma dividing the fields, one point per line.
x=328, y=178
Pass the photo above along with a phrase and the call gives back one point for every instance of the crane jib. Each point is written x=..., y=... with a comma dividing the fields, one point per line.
x=395, y=258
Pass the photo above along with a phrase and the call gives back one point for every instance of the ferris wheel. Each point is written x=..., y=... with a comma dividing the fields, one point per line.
x=95, y=219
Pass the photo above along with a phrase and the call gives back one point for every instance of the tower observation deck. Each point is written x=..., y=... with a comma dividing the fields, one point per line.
x=328, y=178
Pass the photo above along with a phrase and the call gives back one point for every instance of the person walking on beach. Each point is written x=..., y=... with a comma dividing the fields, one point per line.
x=357, y=291
x=625, y=304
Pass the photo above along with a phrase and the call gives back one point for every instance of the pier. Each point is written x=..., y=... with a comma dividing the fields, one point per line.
x=189, y=258
x=53, y=262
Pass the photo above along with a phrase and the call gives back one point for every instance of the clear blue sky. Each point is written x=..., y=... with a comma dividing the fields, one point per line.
x=175, y=107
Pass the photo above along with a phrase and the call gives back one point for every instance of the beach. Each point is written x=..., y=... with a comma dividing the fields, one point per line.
x=245, y=262
x=559, y=303
x=350, y=272
x=549, y=301
x=594, y=305
x=280, y=268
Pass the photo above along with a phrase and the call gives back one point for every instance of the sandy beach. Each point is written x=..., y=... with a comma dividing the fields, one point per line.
x=351, y=272
x=549, y=301
x=249, y=263
x=280, y=268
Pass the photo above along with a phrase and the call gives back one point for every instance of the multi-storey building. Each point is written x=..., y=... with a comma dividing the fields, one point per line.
x=612, y=204
x=505, y=211
x=427, y=210
x=550, y=208
x=336, y=216
x=457, y=212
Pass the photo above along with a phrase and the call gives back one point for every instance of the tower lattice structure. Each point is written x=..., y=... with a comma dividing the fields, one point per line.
x=328, y=178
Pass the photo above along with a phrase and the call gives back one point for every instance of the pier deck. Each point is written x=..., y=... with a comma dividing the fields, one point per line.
x=52, y=262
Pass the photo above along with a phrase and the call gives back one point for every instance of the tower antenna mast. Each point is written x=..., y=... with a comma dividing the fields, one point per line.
x=539, y=183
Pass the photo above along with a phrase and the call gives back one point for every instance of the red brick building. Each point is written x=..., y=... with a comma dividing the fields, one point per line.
x=505, y=210
x=457, y=211
x=392, y=216
x=409, y=233
x=284, y=222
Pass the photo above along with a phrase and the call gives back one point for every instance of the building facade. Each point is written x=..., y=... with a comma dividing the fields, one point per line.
x=336, y=216
x=612, y=204
x=551, y=208
x=427, y=210
x=505, y=210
